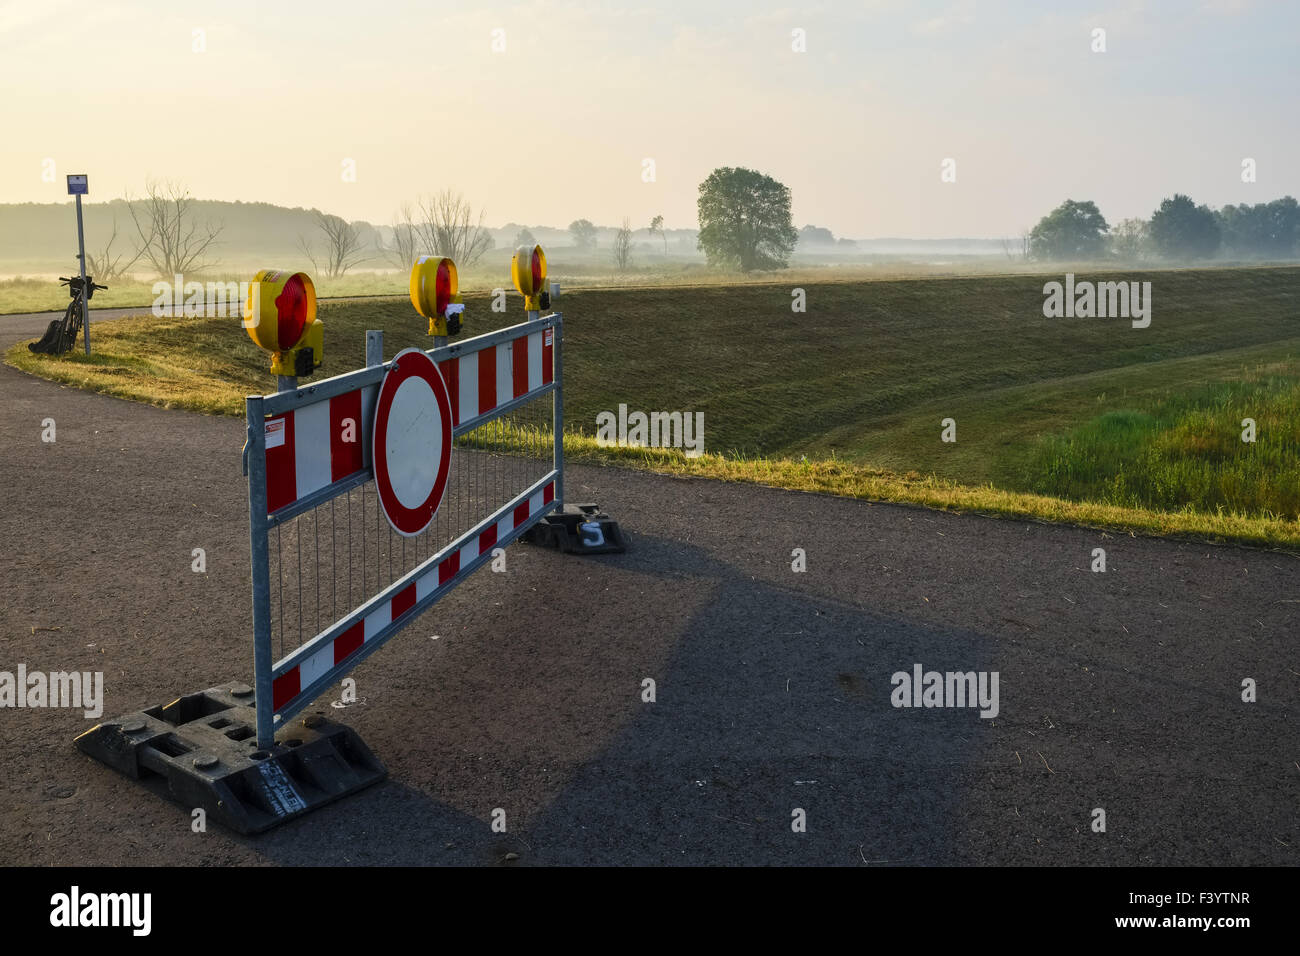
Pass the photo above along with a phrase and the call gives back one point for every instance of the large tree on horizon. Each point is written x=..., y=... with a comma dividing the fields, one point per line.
x=745, y=220
x=1072, y=231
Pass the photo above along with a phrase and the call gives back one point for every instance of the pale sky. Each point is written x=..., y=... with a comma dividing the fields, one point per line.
x=558, y=125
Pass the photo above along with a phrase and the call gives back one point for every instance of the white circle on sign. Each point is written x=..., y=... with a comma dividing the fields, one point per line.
x=414, y=445
x=412, y=441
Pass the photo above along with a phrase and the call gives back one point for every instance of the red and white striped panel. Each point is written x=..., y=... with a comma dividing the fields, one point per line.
x=312, y=447
x=316, y=445
x=484, y=380
x=302, y=675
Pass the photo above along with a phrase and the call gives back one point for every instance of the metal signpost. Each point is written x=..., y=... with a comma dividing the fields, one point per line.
x=79, y=185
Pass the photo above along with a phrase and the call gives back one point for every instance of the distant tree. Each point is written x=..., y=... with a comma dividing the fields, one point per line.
x=402, y=251
x=169, y=238
x=846, y=243
x=524, y=237
x=1017, y=247
x=745, y=220
x=623, y=246
x=657, y=226
x=583, y=233
x=1180, y=229
x=1270, y=230
x=448, y=227
x=1071, y=231
x=816, y=236
x=1130, y=240
x=342, y=247
x=107, y=266
x=368, y=235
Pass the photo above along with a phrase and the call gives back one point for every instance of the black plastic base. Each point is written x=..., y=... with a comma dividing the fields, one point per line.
x=578, y=529
x=201, y=751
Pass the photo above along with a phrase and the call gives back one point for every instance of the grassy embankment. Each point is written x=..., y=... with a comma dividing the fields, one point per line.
x=1081, y=420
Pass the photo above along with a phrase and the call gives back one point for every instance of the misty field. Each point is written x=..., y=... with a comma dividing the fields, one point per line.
x=579, y=270
x=1046, y=411
x=43, y=293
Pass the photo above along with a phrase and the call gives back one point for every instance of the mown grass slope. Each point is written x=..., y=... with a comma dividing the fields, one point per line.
x=1080, y=409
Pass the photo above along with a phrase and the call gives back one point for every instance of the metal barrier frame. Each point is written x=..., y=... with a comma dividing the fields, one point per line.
x=260, y=407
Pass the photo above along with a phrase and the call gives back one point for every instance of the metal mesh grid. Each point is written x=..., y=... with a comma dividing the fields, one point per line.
x=329, y=560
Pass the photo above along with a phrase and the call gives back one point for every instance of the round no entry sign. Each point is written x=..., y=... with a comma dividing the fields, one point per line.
x=412, y=442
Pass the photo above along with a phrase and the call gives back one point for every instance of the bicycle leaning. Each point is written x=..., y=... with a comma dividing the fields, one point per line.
x=61, y=335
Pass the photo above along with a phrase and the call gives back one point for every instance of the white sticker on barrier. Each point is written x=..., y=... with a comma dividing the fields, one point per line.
x=275, y=433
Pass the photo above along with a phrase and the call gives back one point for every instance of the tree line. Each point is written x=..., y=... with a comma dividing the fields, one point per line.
x=1178, y=229
x=744, y=224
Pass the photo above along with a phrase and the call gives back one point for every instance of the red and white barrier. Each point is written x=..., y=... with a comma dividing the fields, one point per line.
x=321, y=443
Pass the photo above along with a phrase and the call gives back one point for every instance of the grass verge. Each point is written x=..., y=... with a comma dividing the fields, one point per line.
x=859, y=481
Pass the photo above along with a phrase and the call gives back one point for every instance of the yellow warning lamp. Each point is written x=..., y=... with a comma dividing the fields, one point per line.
x=528, y=269
x=435, y=293
x=280, y=316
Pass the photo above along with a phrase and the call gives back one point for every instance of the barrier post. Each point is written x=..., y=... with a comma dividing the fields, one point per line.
x=579, y=528
x=261, y=572
x=557, y=410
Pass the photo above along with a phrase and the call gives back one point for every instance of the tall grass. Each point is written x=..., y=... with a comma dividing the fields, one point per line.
x=1185, y=450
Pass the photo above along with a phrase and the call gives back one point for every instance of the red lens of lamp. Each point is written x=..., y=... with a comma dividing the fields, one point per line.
x=442, y=288
x=537, y=271
x=291, y=313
